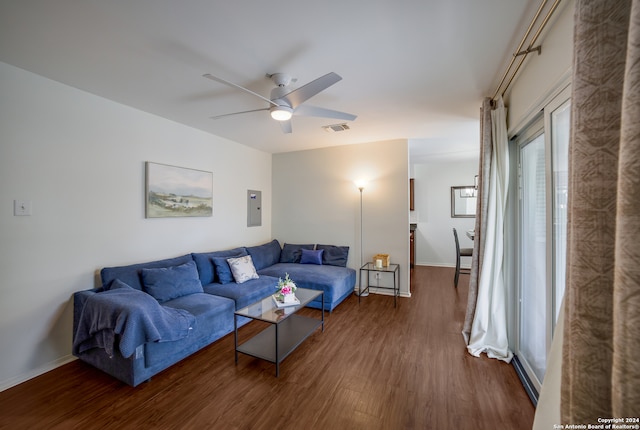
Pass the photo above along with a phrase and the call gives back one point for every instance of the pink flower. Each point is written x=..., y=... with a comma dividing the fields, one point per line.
x=286, y=286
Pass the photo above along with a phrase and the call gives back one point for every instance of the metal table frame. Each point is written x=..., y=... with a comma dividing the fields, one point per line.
x=286, y=332
x=391, y=268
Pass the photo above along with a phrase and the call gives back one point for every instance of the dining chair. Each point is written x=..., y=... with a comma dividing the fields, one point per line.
x=460, y=252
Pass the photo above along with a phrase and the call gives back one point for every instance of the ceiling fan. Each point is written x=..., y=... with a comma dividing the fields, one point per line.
x=283, y=102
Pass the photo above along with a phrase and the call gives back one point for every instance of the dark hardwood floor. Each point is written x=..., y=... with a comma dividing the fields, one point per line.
x=374, y=367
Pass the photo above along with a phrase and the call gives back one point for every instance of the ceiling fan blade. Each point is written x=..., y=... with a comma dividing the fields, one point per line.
x=237, y=113
x=286, y=126
x=305, y=92
x=307, y=110
x=231, y=84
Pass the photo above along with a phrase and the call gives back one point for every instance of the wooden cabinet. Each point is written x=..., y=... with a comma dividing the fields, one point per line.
x=411, y=200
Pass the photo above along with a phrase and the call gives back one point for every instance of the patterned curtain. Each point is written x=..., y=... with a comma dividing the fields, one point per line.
x=601, y=350
x=482, y=203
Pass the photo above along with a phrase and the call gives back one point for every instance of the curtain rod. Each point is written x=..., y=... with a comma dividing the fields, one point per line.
x=523, y=53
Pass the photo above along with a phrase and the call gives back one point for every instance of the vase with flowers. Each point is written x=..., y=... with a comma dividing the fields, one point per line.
x=286, y=290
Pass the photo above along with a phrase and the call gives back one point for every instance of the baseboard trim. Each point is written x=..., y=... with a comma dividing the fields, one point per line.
x=452, y=266
x=17, y=380
x=384, y=292
x=387, y=292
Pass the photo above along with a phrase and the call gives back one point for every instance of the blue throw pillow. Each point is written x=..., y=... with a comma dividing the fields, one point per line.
x=311, y=257
x=130, y=274
x=291, y=253
x=223, y=271
x=168, y=283
x=265, y=255
x=204, y=262
x=334, y=255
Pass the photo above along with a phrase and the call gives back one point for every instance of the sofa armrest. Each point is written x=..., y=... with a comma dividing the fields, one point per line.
x=79, y=299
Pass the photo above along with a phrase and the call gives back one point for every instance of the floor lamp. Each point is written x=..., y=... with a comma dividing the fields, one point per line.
x=361, y=188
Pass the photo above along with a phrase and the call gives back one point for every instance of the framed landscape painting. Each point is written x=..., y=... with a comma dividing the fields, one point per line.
x=178, y=192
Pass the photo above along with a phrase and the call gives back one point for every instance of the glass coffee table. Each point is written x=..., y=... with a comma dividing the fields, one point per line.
x=286, y=332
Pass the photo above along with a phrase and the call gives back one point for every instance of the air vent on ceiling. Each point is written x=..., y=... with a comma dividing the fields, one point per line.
x=335, y=127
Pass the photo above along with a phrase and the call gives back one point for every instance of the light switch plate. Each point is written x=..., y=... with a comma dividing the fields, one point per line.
x=22, y=207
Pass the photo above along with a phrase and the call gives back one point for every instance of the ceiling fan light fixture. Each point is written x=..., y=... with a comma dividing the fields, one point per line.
x=281, y=113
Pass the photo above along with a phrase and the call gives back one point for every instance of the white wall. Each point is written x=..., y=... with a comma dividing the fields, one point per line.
x=543, y=73
x=315, y=200
x=80, y=159
x=432, y=199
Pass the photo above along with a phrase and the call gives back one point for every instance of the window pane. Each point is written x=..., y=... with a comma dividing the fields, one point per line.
x=560, y=153
x=533, y=257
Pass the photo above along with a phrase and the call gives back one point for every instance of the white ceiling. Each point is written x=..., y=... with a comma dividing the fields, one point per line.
x=412, y=69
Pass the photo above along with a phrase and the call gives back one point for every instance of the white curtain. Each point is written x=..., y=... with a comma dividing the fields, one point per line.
x=489, y=327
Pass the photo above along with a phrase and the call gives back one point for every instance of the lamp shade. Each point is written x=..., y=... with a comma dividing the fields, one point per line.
x=360, y=183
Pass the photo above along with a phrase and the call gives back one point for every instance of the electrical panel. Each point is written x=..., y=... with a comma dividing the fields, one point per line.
x=254, y=208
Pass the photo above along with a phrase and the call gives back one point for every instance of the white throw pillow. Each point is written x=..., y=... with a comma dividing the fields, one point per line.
x=242, y=269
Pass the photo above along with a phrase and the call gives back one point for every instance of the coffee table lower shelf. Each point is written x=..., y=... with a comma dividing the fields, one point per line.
x=287, y=335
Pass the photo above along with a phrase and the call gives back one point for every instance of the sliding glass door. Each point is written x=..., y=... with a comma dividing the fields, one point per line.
x=559, y=123
x=533, y=300
x=541, y=245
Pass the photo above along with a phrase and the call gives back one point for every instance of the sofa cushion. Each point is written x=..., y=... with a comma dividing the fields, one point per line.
x=265, y=255
x=214, y=319
x=334, y=255
x=206, y=269
x=291, y=253
x=166, y=283
x=311, y=256
x=242, y=269
x=115, y=285
x=223, y=271
x=131, y=274
x=246, y=293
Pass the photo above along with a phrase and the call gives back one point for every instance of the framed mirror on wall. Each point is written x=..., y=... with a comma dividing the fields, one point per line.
x=463, y=201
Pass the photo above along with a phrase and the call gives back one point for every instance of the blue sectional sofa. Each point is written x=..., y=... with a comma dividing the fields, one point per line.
x=329, y=274
x=146, y=317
